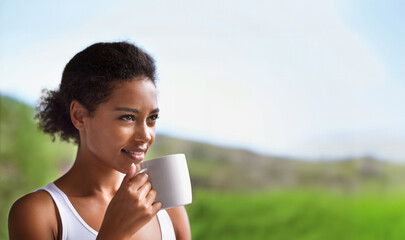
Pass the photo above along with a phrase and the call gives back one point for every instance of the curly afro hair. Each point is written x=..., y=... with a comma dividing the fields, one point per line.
x=90, y=77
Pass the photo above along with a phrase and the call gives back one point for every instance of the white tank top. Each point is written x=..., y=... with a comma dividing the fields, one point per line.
x=75, y=228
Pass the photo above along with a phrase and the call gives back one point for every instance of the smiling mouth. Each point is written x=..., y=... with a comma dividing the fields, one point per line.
x=135, y=155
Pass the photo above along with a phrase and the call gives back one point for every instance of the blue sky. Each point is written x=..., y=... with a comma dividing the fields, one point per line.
x=314, y=79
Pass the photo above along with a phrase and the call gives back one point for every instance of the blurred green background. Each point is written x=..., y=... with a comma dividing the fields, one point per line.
x=236, y=194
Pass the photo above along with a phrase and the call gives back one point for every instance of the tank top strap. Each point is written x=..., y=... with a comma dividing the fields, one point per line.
x=73, y=226
x=166, y=226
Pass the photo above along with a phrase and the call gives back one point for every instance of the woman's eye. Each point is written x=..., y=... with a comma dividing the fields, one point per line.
x=127, y=118
x=153, y=118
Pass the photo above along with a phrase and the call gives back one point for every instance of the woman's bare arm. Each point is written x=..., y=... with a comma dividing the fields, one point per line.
x=33, y=217
x=180, y=221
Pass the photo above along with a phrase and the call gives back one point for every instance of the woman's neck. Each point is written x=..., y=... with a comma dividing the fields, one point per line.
x=89, y=176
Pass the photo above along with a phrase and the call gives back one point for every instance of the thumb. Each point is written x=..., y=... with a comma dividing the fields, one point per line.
x=130, y=174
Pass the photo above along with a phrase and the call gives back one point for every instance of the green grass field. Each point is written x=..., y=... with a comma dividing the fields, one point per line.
x=297, y=214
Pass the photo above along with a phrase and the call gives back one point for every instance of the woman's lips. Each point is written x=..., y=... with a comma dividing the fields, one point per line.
x=137, y=155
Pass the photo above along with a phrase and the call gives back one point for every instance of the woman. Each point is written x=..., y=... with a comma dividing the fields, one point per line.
x=107, y=104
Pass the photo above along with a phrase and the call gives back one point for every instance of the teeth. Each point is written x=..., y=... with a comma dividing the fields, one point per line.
x=132, y=152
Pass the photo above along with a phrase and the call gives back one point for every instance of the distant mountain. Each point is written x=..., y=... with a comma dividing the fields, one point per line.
x=234, y=169
x=210, y=166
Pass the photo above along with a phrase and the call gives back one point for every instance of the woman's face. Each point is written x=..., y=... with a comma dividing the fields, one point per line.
x=120, y=131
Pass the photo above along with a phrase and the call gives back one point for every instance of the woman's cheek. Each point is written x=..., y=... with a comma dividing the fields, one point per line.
x=124, y=133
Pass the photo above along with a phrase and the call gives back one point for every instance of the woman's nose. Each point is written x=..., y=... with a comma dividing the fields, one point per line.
x=143, y=133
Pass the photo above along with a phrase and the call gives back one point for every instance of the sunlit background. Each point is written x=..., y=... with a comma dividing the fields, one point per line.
x=315, y=87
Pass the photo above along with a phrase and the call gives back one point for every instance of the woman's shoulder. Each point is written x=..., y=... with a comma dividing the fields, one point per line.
x=181, y=225
x=35, y=214
x=38, y=202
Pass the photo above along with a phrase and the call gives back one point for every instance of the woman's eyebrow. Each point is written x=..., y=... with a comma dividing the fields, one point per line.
x=156, y=110
x=134, y=110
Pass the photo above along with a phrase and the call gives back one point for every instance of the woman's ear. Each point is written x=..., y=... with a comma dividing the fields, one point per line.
x=77, y=114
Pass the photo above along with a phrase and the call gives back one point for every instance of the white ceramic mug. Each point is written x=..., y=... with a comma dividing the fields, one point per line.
x=170, y=178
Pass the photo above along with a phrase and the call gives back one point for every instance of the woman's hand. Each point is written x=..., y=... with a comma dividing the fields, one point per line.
x=131, y=208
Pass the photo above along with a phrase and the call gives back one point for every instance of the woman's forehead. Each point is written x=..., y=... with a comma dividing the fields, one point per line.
x=138, y=91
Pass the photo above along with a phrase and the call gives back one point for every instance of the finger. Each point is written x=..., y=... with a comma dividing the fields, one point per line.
x=144, y=190
x=156, y=206
x=138, y=181
x=130, y=174
x=151, y=196
x=138, y=167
